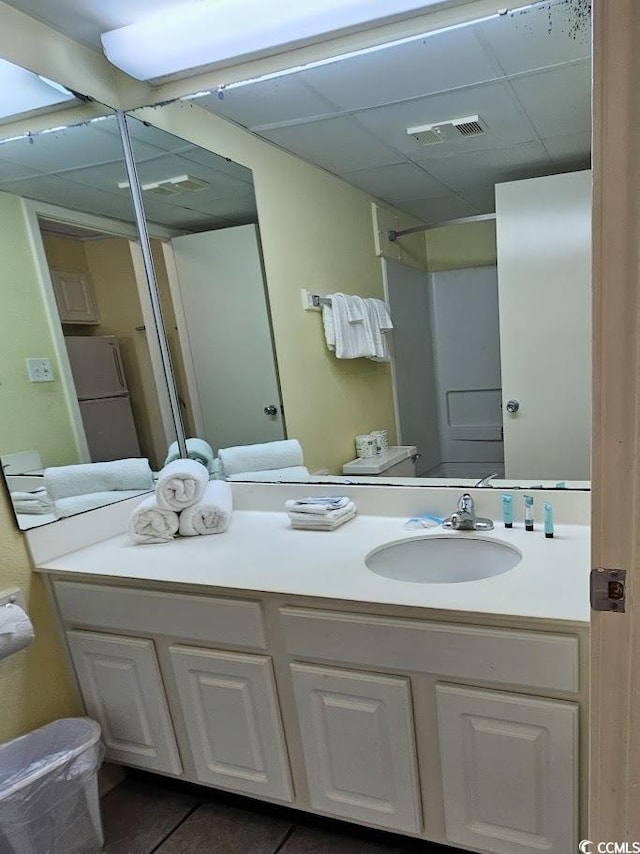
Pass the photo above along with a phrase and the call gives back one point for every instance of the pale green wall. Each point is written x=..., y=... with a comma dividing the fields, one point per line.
x=34, y=415
x=453, y=247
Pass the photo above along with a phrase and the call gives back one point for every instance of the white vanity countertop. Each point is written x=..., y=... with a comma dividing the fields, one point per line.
x=260, y=552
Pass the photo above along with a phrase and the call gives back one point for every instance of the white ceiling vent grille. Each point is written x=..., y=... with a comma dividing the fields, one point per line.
x=448, y=131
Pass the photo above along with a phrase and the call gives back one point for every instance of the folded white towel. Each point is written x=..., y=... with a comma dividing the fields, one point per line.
x=292, y=474
x=81, y=503
x=304, y=522
x=210, y=515
x=266, y=455
x=65, y=481
x=320, y=506
x=37, y=502
x=197, y=449
x=150, y=523
x=180, y=484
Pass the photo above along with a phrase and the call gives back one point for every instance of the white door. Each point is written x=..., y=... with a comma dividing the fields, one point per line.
x=509, y=769
x=224, y=309
x=122, y=689
x=358, y=742
x=233, y=723
x=544, y=284
x=413, y=368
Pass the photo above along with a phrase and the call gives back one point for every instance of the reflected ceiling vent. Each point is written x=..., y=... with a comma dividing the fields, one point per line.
x=171, y=186
x=448, y=131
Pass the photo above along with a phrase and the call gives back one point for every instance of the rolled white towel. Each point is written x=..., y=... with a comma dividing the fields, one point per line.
x=180, y=484
x=150, y=523
x=293, y=474
x=210, y=515
x=267, y=455
x=197, y=449
x=65, y=481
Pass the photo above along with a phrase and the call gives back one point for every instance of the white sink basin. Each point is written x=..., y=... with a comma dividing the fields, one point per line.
x=443, y=559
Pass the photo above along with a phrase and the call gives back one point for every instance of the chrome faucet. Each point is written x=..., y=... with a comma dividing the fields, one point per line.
x=465, y=519
x=486, y=480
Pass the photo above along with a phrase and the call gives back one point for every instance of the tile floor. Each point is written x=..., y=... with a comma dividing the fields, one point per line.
x=149, y=815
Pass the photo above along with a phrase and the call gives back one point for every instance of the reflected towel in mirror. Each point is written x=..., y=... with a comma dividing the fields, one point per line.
x=261, y=457
x=65, y=481
x=197, y=449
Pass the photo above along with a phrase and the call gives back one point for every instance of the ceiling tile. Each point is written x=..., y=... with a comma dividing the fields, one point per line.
x=567, y=109
x=482, y=198
x=215, y=161
x=280, y=100
x=337, y=144
x=438, y=210
x=57, y=191
x=493, y=102
x=490, y=166
x=10, y=171
x=570, y=148
x=400, y=181
x=439, y=62
x=536, y=38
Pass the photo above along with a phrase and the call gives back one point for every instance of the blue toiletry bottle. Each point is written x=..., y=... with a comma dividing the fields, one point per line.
x=507, y=510
x=548, y=520
x=528, y=512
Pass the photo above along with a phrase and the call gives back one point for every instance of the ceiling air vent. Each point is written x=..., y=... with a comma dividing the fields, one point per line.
x=448, y=131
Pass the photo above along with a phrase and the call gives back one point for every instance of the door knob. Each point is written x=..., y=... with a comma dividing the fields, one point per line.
x=512, y=406
x=271, y=410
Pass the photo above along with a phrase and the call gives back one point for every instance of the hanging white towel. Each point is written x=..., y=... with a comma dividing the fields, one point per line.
x=381, y=325
x=352, y=335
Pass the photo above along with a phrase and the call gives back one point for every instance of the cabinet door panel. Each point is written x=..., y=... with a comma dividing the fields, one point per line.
x=74, y=296
x=508, y=770
x=233, y=723
x=357, y=732
x=122, y=689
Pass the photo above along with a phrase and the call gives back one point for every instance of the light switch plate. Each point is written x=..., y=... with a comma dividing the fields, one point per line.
x=39, y=370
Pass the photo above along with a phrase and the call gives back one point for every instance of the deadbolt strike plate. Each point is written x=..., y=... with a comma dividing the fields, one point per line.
x=608, y=589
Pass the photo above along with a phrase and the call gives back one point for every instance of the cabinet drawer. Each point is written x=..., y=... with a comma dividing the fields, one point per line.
x=523, y=658
x=200, y=618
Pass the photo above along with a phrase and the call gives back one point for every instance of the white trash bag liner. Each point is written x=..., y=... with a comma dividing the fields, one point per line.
x=49, y=790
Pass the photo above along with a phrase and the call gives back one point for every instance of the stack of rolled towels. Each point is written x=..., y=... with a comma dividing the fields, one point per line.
x=320, y=514
x=186, y=503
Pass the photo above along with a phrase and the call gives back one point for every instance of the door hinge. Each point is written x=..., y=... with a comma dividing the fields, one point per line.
x=608, y=588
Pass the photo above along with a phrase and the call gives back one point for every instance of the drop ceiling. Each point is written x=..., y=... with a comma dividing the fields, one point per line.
x=526, y=74
x=80, y=167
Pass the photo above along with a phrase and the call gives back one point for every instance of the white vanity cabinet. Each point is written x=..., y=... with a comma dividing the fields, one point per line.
x=509, y=770
x=232, y=719
x=185, y=709
x=122, y=688
x=359, y=751
x=439, y=729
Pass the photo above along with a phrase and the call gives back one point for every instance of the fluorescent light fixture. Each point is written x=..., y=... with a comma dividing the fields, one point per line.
x=218, y=32
x=319, y=63
x=22, y=91
x=170, y=186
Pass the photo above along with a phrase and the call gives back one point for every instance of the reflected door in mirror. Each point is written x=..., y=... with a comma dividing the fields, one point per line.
x=220, y=286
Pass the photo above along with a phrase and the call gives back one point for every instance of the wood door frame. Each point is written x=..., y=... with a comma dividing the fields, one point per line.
x=615, y=640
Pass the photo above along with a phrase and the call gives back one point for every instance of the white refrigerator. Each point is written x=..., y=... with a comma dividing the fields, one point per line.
x=101, y=389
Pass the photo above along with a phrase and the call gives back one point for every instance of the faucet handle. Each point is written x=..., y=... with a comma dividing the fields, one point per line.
x=465, y=503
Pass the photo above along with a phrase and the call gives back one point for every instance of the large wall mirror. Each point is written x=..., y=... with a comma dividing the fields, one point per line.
x=491, y=346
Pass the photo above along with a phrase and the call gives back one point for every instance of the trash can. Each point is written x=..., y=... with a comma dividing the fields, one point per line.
x=49, y=790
